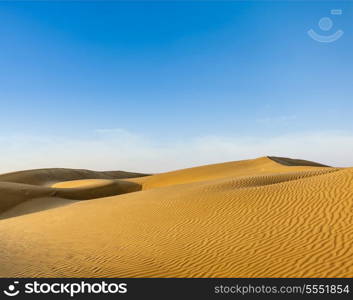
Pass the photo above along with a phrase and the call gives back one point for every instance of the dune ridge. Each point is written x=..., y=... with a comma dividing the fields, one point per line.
x=261, y=165
x=267, y=217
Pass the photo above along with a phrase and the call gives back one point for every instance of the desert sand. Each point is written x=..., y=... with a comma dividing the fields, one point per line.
x=266, y=217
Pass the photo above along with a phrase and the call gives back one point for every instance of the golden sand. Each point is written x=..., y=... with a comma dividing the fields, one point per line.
x=267, y=217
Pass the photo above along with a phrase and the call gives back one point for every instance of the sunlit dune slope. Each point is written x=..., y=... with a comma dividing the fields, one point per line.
x=81, y=183
x=256, y=218
x=262, y=165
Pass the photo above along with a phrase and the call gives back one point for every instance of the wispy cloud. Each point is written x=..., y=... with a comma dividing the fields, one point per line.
x=112, y=149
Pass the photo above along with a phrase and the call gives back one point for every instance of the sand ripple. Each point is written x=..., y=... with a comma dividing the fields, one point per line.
x=258, y=218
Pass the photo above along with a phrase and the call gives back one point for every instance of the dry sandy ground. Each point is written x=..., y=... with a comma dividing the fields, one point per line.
x=267, y=217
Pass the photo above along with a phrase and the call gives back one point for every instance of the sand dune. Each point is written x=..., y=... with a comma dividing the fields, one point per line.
x=267, y=217
x=262, y=165
x=54, y=175
x=14, y=193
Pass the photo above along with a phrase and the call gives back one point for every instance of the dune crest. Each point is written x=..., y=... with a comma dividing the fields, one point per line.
x=267, y=217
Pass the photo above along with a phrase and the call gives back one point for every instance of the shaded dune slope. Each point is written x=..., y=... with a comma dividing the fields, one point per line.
x=256, y=218
x=13, y=194
x=34, y=205
x=295, y=162
x=54, y=175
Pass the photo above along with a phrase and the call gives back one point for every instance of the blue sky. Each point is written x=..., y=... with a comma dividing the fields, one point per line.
x=163, y=76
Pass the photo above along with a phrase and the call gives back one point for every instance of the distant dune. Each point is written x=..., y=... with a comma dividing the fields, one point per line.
x=266, y=217
x=54, y=175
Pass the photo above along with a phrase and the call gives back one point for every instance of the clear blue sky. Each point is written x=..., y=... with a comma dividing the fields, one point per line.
x=173, y=70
